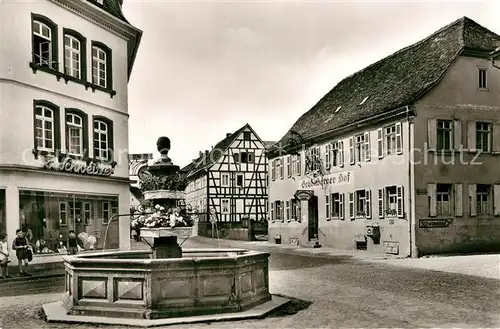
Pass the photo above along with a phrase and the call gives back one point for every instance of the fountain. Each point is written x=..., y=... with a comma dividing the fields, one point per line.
x=166, y=284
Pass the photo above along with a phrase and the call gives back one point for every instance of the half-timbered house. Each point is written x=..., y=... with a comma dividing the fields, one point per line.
x=228, y=185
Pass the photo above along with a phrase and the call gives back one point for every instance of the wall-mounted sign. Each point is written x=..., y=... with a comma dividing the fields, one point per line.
x=79, y=166
x=421, y=191
x=343, y=178
x=434, y=223
x=303, y=194
x=391, y=247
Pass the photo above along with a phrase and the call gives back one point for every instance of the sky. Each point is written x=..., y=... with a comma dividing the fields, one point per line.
x=206, y=68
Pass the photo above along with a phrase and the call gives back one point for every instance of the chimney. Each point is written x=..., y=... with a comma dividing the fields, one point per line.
x=207, y=153
x=200, y=154
x=228, y=134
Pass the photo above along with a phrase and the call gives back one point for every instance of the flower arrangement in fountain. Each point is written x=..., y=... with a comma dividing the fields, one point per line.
x=158, y=216
x=177, y=182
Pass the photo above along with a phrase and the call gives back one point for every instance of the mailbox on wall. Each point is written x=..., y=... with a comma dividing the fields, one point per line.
x=373, y=231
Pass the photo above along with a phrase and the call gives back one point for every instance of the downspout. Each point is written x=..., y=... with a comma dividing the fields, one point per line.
x=411, y=184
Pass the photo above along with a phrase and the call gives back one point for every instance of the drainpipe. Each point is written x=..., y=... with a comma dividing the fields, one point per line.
x=411, y=183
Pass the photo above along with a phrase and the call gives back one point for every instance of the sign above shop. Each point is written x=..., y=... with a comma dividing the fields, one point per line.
x=79, y=166
x=343, y=178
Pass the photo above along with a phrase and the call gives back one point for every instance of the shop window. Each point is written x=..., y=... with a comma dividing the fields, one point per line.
x=47, y=219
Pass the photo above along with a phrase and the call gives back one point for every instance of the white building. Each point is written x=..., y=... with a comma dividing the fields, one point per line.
x=64, y=72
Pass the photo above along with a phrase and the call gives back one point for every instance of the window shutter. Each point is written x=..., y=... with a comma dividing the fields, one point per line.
x=299, y=162
x=299, y=212
x=496, y=203
x=431, y=134
x=431, y=195
x=282, y=167
x=341, y=154
x=380, y=203
x=496, y=138
x=471, y=136
x=273, y=169
x=317, y=160
x=272, y=211
x=289, y=165
x=472, y=200
x=351, y=205
x=352, y=160
x=399, y=139
x=400, y=201
x=327, y=202
x=328, y=151
x=282, y=212
x=368, y=196
x=307, y=161
x=459, y=208
x=368, y=150
x=457, y=134
x=380, y=143
x=288, y=211
x=341, y=206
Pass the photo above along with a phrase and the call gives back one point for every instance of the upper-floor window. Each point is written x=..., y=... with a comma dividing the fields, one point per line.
x=483, y=136
x=246, y=135
x=359, y=147
x=482, y=78
x=239, y=180
x=103, y=138
x=390, y=139
x=42, y=44
x=72, y=56
x=444, y=130
x=99, y=69
x=225, y=180
x=246, y=157
x=44, y=128
x=74, y=124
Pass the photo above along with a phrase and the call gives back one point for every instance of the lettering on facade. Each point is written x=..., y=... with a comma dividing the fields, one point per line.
x=322, y=181
x=421, y=191
x=434, y=223
x=78, y=167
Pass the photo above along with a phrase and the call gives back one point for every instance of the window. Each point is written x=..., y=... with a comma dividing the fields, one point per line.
x=359, y=148
x=236, y=157
x=273, y=169
x=298, y=159
x=44, y=43
x=444, y=134
x=289, y=165
x=239, y=180
x=251, y=157
x=246, y=135
x=74, y=131
x=278, y=206
x=390, y=139
x=360, y=204
x=225, y=206
x=295, y=209
x=63, y=214
x=337, y=206
x=75, y=55
x=443, y=199
x=482, y=79
x=106, y=212
x=75, y=212
x=44, y=128
x=482, y=199
x=483, y=136
x=390, y=201
x=313, y=160
x=335, y=154
x=288, y=218
x=87, y=212
x=99, y=67
x=225, y=180
x=103, y=138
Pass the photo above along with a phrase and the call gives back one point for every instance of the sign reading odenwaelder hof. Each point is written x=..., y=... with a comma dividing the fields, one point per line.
x=342, y=178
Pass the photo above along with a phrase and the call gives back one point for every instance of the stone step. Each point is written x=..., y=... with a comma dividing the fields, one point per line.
x=35, y=284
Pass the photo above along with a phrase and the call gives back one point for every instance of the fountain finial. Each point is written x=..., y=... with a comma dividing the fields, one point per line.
x=163, y=146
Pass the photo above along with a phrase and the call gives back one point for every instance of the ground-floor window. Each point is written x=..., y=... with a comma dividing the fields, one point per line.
x=47, y=218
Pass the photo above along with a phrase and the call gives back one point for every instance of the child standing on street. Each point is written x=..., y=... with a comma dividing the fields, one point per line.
x=20, y=245
x=4, y=256
x=72, y=243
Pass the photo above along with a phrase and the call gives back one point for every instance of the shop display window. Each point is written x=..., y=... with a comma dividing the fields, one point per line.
x=47, y=217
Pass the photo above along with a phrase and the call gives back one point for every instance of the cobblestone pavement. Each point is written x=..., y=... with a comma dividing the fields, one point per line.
x=344, y=293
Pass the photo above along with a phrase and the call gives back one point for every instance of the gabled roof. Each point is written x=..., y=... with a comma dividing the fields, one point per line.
x=114, y=7
x=395, y=81
x=268, y=144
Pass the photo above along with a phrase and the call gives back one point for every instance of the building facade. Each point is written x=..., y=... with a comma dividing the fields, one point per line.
x=64, y=122
x=399, y=158
x=228, y=184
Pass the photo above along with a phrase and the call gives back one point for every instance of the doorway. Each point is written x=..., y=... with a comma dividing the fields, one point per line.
x=313, y=218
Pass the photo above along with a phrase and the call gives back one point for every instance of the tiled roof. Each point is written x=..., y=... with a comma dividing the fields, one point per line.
x=395, y=81
x=219, y=149
x=114, y=7
x=268, y=144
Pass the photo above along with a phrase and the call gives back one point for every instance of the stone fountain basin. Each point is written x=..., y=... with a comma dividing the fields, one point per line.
x=129, y=284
